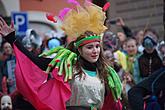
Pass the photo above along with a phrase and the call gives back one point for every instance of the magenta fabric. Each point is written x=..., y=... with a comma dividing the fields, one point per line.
x=32, y=83
x=110, y=104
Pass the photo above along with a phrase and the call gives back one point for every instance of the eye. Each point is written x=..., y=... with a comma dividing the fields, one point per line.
x=89, y=47
x=3, y=103
x=98, y=46
x=9, y=103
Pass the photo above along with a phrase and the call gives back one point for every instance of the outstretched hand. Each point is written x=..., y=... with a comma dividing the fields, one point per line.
x=120, y=22
x=4, y=28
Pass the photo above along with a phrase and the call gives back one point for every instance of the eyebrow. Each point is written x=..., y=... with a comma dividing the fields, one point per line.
x=92, y=44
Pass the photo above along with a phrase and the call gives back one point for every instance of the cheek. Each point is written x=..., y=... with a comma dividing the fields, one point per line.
x=135, y=49
x=87, y=53
x=130, y=51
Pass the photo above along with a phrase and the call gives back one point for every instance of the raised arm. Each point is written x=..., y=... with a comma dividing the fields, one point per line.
x=8, y=33
x=126, y=29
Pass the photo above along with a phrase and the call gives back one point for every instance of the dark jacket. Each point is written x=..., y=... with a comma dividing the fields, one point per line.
x=149, y=63
x=152, y=85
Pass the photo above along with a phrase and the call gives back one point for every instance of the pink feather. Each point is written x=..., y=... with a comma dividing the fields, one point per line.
x=106, y=6
x=63, y=12
x=74, y=2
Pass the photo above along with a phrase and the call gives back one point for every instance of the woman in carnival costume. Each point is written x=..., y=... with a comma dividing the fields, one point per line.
x=80, y=78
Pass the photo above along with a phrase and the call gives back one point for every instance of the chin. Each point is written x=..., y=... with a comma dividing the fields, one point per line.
x=6, y=109
x=92, y=61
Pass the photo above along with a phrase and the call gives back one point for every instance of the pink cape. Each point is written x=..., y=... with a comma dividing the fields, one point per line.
x=32, y=83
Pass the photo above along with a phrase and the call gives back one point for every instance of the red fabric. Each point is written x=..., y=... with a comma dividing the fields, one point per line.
x=110, y=104
x=50, y=17
x=4, y=85
x=30, y=81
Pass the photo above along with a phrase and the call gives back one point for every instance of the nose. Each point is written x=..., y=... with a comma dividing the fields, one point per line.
x=6, y=105
x=94, y=50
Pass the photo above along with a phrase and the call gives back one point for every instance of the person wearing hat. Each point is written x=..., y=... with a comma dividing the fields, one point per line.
x=149, y=61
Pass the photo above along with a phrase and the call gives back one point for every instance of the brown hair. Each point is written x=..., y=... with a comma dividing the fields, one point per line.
x=131, y=39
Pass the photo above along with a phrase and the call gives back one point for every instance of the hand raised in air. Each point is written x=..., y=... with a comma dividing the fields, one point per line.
x=4, y=28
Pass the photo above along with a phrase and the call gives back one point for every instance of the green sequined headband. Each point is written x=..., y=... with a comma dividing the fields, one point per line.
x=87, y=40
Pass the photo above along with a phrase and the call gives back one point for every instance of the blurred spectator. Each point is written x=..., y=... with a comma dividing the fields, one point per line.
x=109, y=56
x=112, y=43
x=152, y=33
x=32, y=41
x=161, y=49
x=151, y=86
x=50, y=41
x=131, y=47
x=132, y=55
x=139, y=38
x=149, y=61
x=8, y=68
x=122, y=37
x=128, y=76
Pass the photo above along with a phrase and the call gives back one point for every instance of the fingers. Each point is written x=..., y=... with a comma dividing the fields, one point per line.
x=12, y=24
x=1, y=24
x=2, y=21
x=0, y=34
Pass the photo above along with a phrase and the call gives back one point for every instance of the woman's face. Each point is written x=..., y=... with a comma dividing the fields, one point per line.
x=7, y=48
x=139, y=37
x=131, y=47
x=90, y=51
x=121, y=36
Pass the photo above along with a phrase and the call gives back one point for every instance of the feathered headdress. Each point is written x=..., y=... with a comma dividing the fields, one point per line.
x=77, y=20
x=80, y=19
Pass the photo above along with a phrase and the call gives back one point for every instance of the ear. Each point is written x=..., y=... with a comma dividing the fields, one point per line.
x=80, y=50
